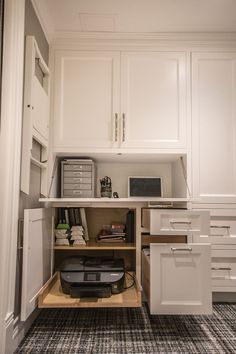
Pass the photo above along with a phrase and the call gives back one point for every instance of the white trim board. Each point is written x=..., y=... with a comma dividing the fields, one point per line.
x=10, y=149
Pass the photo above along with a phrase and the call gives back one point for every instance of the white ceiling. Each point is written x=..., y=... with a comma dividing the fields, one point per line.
x=136, y=16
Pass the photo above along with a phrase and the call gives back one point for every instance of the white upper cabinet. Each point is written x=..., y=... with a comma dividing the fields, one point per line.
x=153, y=99
x=94, y=109
x=214, y=126
x=86, y=99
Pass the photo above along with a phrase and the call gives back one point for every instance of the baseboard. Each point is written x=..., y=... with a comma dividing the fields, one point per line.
x=223, y=297
x=16, y=330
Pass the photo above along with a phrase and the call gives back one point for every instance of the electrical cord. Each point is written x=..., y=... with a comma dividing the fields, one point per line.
x=131, y=276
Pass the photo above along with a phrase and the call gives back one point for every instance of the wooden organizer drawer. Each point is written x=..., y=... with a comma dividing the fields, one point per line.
x=77, y=186
x=70, y=174
x=77, y=180
x=78, y=193
x=51, y=296
x=175, y=222
x=77, y=167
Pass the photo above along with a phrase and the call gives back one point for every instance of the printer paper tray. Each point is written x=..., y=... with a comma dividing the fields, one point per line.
x=51, y=296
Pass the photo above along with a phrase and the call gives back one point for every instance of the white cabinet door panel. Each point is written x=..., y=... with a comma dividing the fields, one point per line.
x=180, y=278
x=153, y=99
x=86, y=99
x=214, y=126
x=37, y=256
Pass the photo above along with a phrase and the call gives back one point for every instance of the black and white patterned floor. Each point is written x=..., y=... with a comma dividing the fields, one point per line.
x=120, y=331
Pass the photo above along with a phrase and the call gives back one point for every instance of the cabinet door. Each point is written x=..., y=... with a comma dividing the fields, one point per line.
x=153, y=100
x=214, y=126
x=86, y=99
x=37, y=256
x=180, y=279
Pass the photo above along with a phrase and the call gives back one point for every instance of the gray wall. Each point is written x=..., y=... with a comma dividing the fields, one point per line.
x=33, y=28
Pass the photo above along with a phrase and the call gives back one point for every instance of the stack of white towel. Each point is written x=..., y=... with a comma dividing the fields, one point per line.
x=73, y=237
x=62, y=237
x=77, y=235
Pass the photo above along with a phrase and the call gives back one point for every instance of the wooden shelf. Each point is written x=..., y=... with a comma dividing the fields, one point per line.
x=51, y=296
x=98, y=246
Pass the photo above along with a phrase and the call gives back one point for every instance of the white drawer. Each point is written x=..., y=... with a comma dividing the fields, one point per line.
x=223, y=265
x=176, y=278
x=222, y=231
x=176, y=222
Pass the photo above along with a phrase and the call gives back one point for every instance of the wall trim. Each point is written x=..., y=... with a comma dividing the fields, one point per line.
x=10, y=157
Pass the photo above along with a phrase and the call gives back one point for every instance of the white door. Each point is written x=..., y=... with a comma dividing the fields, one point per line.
x=214, y=126
x=37, y=256
x=86, y=99
x=153, y=99
x=180, y=278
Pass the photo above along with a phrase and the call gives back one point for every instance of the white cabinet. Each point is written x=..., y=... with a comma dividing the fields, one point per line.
x=119, y=100
x=37, y=256
x=214, y=126
x=177, y=279
x=86, y=99
x=153, y=99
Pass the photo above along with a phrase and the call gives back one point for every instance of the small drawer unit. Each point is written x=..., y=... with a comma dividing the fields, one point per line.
x=78, y=178
x=175, y=222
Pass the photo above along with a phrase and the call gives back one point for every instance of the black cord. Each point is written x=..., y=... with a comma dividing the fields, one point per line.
x=133, y=277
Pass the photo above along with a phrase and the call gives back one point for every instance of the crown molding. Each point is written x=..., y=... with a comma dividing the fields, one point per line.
x=70, y=39
x=160, y=36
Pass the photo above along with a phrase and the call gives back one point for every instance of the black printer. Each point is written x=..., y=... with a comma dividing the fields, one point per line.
x=92, y=276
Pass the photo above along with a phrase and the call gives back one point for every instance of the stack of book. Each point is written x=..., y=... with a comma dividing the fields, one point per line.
x=115, y=233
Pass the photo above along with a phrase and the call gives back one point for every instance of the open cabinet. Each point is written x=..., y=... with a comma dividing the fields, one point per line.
x=173, y=270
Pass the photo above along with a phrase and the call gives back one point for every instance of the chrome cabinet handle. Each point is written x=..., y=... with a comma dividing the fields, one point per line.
x=123, y=131
x=181, y=222
x=220, y=227
x=116, y=126
x=221, y=268
x=173, y=249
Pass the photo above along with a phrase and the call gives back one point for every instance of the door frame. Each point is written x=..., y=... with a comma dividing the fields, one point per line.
x=10, y=160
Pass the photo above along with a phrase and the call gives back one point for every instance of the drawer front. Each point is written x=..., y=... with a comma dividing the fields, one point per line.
x=77, y=186
x=77, y=167
x=180, y=279
x=178, y=222
x=78, y=193
x=223, y=266
x=77, y=174
x=77, y=180
x=222, y=231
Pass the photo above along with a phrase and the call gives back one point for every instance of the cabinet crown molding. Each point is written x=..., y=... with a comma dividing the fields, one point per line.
x=133, y=39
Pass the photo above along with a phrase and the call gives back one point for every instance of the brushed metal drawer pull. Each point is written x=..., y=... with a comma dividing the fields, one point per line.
x=181, y=222
x=220, y=226
x=123, y=135
x=116, y=126
x=173, y=249
x=221, y=268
